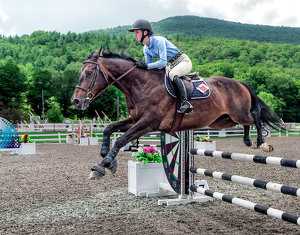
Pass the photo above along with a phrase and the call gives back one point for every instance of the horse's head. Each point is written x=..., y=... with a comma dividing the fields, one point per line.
x=91, y=81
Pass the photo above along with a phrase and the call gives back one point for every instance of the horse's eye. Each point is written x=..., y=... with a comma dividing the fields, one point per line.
x=89, y=73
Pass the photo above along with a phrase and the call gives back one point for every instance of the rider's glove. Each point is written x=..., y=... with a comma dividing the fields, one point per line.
x=141, y=64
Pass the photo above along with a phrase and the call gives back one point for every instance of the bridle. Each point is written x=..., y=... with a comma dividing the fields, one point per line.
x=90, y=96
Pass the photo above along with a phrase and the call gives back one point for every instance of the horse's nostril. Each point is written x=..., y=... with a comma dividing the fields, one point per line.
x=75, y=101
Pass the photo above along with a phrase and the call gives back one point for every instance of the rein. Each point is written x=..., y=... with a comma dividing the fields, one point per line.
x=89, y=90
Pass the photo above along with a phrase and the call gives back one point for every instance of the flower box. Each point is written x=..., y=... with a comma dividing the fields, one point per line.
x=93, y=140
x=27, y=149
x=145, y=178
x=70, y=139
x=205, y=145
x=83, y=141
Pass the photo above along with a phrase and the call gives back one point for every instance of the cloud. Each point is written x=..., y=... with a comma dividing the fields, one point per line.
x=4, y=18
x=24, y=17
x=167, y=5
x=267, y=12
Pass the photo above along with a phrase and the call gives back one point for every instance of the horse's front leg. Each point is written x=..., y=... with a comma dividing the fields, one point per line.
x=121, y=126
x=109, y=160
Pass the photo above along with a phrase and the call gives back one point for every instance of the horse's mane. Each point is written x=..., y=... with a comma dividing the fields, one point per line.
x=111, y=54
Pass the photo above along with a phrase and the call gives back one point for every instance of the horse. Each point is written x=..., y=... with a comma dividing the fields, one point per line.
x=151, y=108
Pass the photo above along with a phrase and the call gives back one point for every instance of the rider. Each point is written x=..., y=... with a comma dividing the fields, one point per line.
x=159, y=47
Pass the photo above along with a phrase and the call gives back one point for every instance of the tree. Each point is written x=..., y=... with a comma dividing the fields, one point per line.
x=12, y=86
x=64, y=87
x=54, y=114
x=41, y=81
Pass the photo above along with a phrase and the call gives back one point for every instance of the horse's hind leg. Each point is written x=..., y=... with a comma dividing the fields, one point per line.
x=256, y=114
x=260, y=141
x=246, y=137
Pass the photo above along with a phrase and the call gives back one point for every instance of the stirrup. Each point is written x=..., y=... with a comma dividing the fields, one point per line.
x=186, y=108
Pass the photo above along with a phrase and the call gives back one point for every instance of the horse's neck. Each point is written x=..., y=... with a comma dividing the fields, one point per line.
x=132, y=79
x=136, y=82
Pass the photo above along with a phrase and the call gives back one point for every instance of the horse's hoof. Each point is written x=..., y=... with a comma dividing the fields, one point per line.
x=248, y=143
x=97, y=172
x=95, y=175
x=113, y=166
x=254, y=145
x=266, y=147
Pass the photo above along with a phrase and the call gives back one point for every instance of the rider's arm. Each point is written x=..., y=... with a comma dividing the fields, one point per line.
x=162, y=50
x=148, y=57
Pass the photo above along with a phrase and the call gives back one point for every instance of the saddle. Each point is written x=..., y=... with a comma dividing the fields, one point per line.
x=196, y=87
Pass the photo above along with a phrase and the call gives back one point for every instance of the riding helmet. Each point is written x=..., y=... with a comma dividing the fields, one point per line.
x=143, y=25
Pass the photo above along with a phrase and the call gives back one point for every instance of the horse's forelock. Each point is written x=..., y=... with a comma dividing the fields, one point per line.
x=92, y=56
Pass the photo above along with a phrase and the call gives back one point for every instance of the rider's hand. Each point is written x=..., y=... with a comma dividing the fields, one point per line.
x=141, y=64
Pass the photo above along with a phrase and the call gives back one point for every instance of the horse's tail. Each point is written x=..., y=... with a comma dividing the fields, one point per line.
x=267, y=116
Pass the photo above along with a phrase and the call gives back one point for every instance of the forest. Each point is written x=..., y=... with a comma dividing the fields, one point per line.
x=48, y=63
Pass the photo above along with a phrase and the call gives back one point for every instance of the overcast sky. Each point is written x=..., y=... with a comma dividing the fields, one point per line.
x=18, y=17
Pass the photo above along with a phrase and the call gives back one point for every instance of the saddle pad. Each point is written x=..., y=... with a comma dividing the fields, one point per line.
x=200, y=91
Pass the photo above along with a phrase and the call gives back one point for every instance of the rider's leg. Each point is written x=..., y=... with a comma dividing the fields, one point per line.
x=181, y=67
x=186, y=107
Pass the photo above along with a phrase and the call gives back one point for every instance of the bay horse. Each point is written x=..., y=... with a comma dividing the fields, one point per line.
x=151, y=108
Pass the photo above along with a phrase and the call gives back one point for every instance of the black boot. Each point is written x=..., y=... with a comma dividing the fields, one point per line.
x=186, y=107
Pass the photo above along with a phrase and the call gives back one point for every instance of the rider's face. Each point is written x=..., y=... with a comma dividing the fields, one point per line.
x=138, y=34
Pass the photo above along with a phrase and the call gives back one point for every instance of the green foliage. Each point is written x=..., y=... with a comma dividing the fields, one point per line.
x=63, y=87
x=12, y=85
x=25, y=139
x=147, y=155
x=274, y=103
x=41, y=83
x=183, y=28
x=13, y=115
x=54, y=114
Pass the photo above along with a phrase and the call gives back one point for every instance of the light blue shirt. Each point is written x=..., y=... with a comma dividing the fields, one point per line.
x=159, y=48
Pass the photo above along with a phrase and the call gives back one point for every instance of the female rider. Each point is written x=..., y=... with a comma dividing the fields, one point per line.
x=159, y=47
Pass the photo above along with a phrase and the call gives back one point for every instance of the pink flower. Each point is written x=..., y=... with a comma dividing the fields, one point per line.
x=151, y=150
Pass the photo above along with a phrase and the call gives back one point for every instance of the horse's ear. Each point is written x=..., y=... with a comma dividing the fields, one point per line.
x=99, y=52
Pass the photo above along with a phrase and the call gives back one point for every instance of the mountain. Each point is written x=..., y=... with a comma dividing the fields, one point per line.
x=201, y=26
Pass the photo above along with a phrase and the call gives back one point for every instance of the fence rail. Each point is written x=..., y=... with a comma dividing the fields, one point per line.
x=97, y=129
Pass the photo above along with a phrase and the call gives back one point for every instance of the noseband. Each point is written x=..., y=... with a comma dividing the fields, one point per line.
x=89, y=90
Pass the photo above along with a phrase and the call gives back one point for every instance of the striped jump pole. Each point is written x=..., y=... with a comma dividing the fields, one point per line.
x=294, y=191
x=249, y=205
x=178, y=147
x=248, y=158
